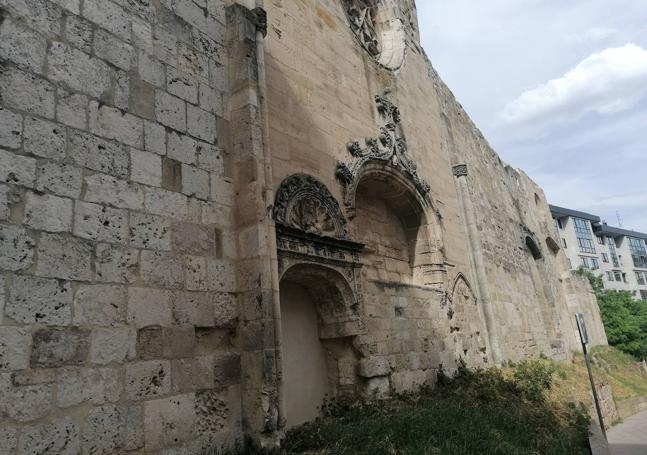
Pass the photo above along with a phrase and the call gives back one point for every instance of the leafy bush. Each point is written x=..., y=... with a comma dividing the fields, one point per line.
x=534, y=378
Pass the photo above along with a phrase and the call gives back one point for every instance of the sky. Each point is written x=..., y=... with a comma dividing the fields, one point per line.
x=559, y=89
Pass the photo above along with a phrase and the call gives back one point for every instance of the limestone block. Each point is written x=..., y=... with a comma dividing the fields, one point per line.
x=78, y=70
x=100, y=305
x=148, y=379
x=150, y=231
x=221, y=275
x=8, y=439
x=151, y=69
x=193, y=238
x=113, y=429
x=95, y=385
x=169, y=421
x=26, y=92
x=166, y=203
x=70, y=5
x=116, y=265
x=98, y=222
x=39, y=300
x=109, y=48
x=113, y=124
x=143, y=36
x=104, y=189
x=149, y=307
x=212, y=412
x=194, y=309
x=218, y=214
x=225, y=309
x=379, y=386
x=2, y=296
x=181, y=85
x=142, y=98
x=109, y=16
x=192, y=61
x=195, y=182
x=61, y=437
x=43, y=138
x=64, y=257
x=172, y=175
x=190, y=375
x=121, y=98
x=165, y=46
x=37, y=14
x=17, y=169
x=227, y=370
x=218, y=77
x=48, y=213
x=112, y=345
x=72, y=109
x=162, y=269
x=195, y=270
x=182, y=148
x=10, y=129
x=24, y=403
x=170, y=111
x=154, y=138
x=98, y=154
x=16, y=248
x=210, y=98
x=22, y=46
x=146, y=168
x=210, y=159
x=78, y=32
x=201, y=124
x=56, y=347
x=14, y=348
x=61, y=179
x=34, y=376
x=374, y=367
x=222, y=190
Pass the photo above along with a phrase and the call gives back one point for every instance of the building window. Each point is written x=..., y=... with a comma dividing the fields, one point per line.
x=605, y=257
x=559, y=224
x=595, y=264
x=564, y=243
x=643, y=295
x=610, y=276
x=638, y=252
x=624, y=277
x=614, y=253
x=641, y=278
x=584, y=236
x=601, y=240
x=618, y=276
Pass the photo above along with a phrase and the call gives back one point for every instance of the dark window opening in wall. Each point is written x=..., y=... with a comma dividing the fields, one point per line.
x=564, y=243
x=586, y=263
x=595, y=264
x=605, y=258
x=643, y=295
x=640, y=277
x=559, y=224
x=600, y=240
x=614, y=254
x=534, y=248
x=610, y=276
x=638, y=252
x=624, y=277
x=618, y=276
x=584, y=236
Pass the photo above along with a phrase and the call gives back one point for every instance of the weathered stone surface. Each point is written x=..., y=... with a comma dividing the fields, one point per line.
x=60, y=436
x=169, y=421
x=151, y=69
x=113, y=429
x=212, y=412
x=8, y=439
x=154, y=138
x=195, y=182
x=56, y=347
x=166, y=342
x=201, y=124
x=116, y=265
x=39, y=300
x=166, y=203
x=98, y=154
x=4, y=202
x=149, y=307
x=26, y=92
x=170, y=111
x=193, y=238
x=10, y=129
x=22, y=46
x=227, y=370
x=150, y=231
x=181, y=85
x=78, y=32
x=220, y=275
x=96, y=385
x=195, y=272
x=182, y=148
x=142, y=98
x=146, y=168
x=24, y=403
x=113, y=124
x=14, y=348
x=373, y=367
x=17, y=169
x=148, y=379
x=100, y=305
x=162, y=269
x=72, y=109
x=112, y=345
x=190, y=375
x=61, y=256
x=48, y=213
x=109, y=16
x=60, y=179
x=194, y=309
x=16, y=248
x=103, y=189
x=100, y=223
x=78, y=70
x=211, y=159
x=43, y=138
x=121, y=98
x=109, y=48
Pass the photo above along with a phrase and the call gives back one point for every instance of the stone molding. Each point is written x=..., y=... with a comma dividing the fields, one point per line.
x=460, y=170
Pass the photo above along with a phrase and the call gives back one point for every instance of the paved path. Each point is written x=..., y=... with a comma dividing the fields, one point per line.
x=630, y=437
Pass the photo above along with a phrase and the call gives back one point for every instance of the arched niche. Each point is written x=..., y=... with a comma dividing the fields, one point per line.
x=533, y=247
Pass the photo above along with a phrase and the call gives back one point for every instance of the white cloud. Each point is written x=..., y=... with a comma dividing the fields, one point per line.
x=606, y=82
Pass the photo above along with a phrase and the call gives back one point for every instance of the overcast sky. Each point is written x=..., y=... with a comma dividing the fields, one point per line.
x=558, y=87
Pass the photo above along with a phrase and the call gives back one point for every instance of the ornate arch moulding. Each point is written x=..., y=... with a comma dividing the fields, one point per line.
x=388, y=149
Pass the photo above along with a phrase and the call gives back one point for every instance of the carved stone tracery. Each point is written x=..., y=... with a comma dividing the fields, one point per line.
x=361, y=15
x=390, y=147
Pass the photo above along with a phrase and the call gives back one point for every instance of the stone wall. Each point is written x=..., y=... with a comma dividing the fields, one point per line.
x=118, y=320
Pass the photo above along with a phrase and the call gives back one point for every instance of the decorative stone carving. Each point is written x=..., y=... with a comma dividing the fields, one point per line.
x=361, y=14
x=304, y=203
x=389, y=147
x=460, y=170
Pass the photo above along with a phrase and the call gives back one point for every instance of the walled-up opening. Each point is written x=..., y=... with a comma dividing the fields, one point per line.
x=318, y=362
x=534, y=248
x=392, y=224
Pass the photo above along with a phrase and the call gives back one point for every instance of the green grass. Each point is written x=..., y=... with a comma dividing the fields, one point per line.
x=477, y=412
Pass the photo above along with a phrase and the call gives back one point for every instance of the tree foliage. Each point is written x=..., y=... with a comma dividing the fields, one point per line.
x=624, y=317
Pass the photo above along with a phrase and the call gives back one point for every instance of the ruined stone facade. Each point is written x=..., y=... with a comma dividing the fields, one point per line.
x=169, y=169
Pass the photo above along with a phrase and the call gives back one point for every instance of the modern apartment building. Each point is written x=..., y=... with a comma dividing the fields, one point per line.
x=619, y=255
